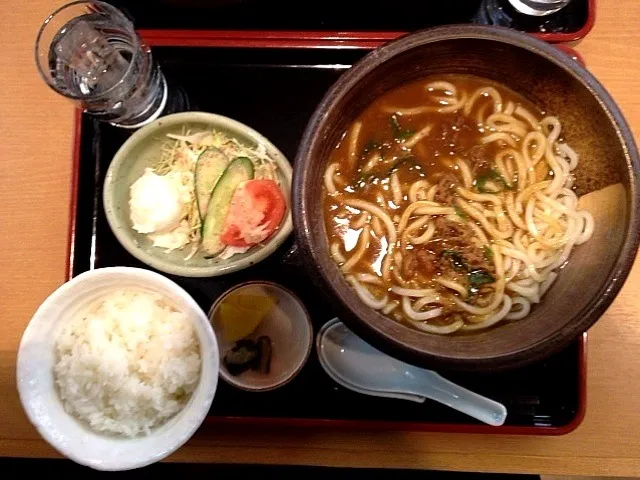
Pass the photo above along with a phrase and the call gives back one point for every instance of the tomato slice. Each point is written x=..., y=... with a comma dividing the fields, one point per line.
x=256, y=211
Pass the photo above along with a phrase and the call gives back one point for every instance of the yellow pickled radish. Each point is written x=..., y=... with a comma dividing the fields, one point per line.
x=240, y=315
x=251, y=300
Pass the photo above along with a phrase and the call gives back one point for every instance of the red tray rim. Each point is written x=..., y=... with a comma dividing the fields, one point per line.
x=186, y=38
x=316, y=39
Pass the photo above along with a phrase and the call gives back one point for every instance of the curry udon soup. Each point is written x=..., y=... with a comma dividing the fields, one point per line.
x=449, y=204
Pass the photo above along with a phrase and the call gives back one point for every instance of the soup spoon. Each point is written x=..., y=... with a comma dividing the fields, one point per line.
x=356, y=365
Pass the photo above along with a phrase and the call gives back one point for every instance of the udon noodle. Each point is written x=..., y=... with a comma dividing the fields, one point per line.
x=449, y=204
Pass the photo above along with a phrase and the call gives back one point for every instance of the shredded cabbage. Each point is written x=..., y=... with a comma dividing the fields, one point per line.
x=179, y=157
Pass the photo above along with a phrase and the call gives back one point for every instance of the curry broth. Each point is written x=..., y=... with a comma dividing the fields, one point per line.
x=380, y=146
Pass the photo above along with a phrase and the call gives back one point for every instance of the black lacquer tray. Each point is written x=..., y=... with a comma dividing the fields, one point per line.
x=569, y=24
x=275, y=91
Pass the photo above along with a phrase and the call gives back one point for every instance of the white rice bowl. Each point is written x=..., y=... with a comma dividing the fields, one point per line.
x=154, y=408
x=128, y=363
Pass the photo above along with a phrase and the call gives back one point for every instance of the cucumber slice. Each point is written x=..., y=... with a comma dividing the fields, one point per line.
x=239, y=170
x=209, y=168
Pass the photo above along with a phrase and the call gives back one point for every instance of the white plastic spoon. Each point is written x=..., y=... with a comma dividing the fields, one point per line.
x=357, y=365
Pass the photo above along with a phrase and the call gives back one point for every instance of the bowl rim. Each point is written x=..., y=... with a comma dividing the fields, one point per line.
x=126, y=237
x=230, y=379
x=194, y=413
x=368, y=327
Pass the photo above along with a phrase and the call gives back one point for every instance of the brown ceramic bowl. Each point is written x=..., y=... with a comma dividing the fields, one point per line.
x=592, y=124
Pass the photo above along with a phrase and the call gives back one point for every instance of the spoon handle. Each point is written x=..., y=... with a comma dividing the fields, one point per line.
x=482, y=408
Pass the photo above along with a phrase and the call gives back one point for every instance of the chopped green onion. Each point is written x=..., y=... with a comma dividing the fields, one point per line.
x=405, y=134
x=398, y=132
x=364, y=180
x=461, y=213
x=398, y=164
x=456, y=259
x=479, y=276
x=493, y=177
x=370, y=145
x=395, y=124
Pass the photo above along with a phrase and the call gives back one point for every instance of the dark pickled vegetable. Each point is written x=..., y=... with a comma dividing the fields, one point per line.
x=264, y=347
x=241, y=357
x=248, y=354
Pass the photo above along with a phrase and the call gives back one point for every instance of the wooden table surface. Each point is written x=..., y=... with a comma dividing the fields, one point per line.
x=35, y=176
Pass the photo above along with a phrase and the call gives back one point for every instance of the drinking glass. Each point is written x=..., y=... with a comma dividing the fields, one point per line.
x=538, y=8
x=528, y=15
x=89, y=52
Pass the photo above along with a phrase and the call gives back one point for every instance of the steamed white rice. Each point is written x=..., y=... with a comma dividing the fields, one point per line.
x=128, y=363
